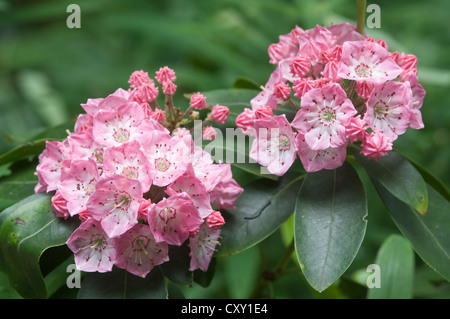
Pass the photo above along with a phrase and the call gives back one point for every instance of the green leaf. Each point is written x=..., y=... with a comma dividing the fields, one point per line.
x=430, y=234
x=27, y=229
x=329, y=224
x=19, y=184
x=176, y=269
x=396, y=270
x=399, y=177
x=260, y=210
x=23, y=151
x=120, y=284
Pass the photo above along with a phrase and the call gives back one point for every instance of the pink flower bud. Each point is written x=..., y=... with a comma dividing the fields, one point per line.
x=158, y=115
x=282, y=91
x=147, y=110
x=215, y=220
x=198, y=101
x=147, y=92
x=59, y=205
x=169, y=88
x=356, y=129
x=209, y=133
x=376, y=145
x=301, y=87
x=138, y=78
x=219, y=114
x=263, y=112
x=300, y=66
x=245, y=121
x=364, y=88
x=276, y=52
x=165, y=74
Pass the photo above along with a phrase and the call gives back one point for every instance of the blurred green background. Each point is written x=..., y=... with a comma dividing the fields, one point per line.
x=47, y=70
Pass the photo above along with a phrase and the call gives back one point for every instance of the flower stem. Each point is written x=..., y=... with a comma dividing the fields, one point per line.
x=361, y=16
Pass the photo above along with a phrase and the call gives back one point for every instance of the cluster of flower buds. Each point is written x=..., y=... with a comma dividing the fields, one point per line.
x=134, y=176
x=352, y=89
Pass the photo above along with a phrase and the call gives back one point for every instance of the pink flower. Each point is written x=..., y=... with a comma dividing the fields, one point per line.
x=274, y=145
x=84, y=122
x=169, y=88
x=227, y=190
x=209, y=133
x=281, y=91
x=314, y=161
x=389, y=108
x=198, y=101
x=78, y=180
x=204, y=169
x=263, y=112
x=193, y=187
x=83, y=146
x=93, y=249
x=138, y=78
x=203, y=245
x=215, y=220
x=244, y=121
x=115, y=203
x=128, y=160
x=330, y=72
x=138, y=252
x=146, y=93
x=356, y=129
x=265, y=97
x=173, y=218
x=364, y=88
x=418, y=94
x=301, y=87
x=376, y=145
x=158, y=115
x=219, y=114
x=324, y=114
x=300, y=66
x=165, y=74
x=50, y=164
x=367, y=61
x=59, y=205
x=113, y=128
x=168, y=157
x=344, y=32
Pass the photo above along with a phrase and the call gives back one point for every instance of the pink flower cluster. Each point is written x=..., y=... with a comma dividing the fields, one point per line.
x=137, y=186
x=351, y=90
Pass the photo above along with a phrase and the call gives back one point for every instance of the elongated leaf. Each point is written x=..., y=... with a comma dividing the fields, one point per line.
x=120, y=284
x=329, y=224
x=399, y=177
x=395, y=263
x=430, y=234
x=27, y=229
x=260, y=210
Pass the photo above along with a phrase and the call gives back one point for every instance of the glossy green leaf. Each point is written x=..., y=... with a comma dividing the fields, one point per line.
x=430, y=234
x=395, y=266
x=27, y=229
x=18, y=185
x=120, y=284
x=399, y=177
x=177, y=268
x=260, y=210
x=329, y=224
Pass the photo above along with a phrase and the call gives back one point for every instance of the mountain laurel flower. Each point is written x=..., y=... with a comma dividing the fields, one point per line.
x=138, y=78
x=94, y=251
x=376, y=145
x=133, y=176
x=324, y=114
x=198, y=101
x=349, y=86
x=209, y=133
x=274, y=145
x=165, y=74
x=219, y=114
